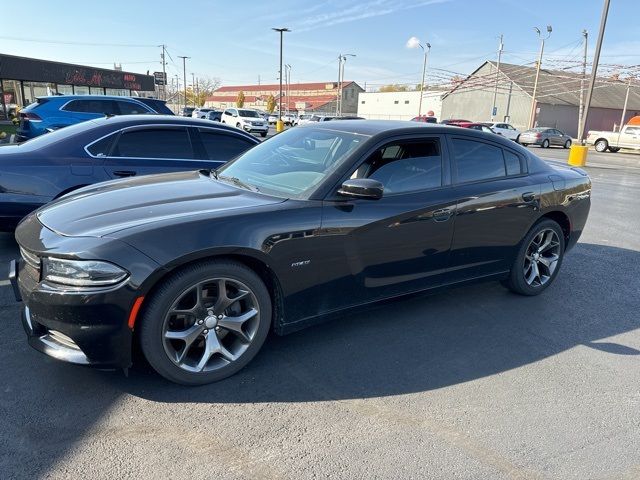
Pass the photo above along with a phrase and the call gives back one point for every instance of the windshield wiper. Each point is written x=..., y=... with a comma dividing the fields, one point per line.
x=236, y=181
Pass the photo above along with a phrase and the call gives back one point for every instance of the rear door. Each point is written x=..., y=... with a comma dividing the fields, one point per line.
x=151, y=149
x=497, y=202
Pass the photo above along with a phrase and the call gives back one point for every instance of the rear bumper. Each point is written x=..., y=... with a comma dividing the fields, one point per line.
x=530, y=140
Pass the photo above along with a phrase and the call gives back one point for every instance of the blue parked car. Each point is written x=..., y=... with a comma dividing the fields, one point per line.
x=51, y=113
x=40, y=170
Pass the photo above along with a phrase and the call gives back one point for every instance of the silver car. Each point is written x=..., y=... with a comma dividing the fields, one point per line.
x=545, y=137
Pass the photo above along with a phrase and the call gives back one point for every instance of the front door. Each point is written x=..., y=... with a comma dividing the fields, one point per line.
x=399, y=243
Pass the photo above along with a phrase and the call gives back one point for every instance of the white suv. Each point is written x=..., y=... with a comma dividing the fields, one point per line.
x=201, y=112
x=505, y=130
x=247, y=119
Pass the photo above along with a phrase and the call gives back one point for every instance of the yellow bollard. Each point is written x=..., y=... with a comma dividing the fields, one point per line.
x=578, y=155
x=279, y=126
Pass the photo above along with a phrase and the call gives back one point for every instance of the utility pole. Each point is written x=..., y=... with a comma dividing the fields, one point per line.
x=594, y=69
x=494, y=109
x=338, y=89
x=164, y=73
x=585, y=34
x=535, y=85
x=342, y=59
x=287, y=77
x=279, y=126
x=184, y=77
x=506, y=113
x=624, y=109
x=424, y=74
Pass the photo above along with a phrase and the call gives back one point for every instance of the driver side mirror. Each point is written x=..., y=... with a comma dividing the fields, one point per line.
x=362, y=188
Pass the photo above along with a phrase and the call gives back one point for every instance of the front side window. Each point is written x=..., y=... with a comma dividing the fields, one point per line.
x=293, y=163
x=477, y=160
x=223, y=147
x=154, y=143
x=405, y=166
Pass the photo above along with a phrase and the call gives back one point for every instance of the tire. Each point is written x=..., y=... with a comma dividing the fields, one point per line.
x=567, y=144
x=518, y=139
x=601, y=145
x=545, y=143
x=518, y=280
x=525, y=144
x=162, y=331
x=263, y=134
x=614, y=149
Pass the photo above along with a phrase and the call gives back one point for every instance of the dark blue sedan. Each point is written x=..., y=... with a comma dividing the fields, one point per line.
x=47, y=167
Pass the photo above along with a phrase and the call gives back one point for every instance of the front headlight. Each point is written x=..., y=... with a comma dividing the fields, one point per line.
x=81, y=273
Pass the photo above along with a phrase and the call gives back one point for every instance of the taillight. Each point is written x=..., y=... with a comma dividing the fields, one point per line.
x=30, y=116
x=538, y=135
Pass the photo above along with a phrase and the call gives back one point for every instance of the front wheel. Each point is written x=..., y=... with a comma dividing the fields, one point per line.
x=567, y=144
x=601, y=145
x=539, y=259
x=545, y=144
x=206, y=322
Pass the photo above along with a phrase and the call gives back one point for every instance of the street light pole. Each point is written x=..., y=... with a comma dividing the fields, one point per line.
x=342, y=60
x=535, y=85
x=288, y=80
x=184, y=77
x=279, y=126
x=413, y=42
x=594, y=69
x=494, y=110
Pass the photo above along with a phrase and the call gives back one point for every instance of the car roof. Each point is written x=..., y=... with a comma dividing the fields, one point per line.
x=94, y=97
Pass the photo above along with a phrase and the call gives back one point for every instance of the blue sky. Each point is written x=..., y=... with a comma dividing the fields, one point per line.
x=234, y=42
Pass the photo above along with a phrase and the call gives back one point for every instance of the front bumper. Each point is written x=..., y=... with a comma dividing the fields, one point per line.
x=256, y=128
x=81, y=326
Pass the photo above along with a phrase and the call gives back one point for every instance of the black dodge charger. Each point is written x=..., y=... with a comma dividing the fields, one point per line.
x=199, y=266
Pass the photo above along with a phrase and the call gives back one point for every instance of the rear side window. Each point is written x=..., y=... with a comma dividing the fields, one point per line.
x=512, y=163
x=156, y=105
x=223, y=147
x=477, y=160
x=131, y=108
x=154, y=143
x=101, y=147
x=105, y=107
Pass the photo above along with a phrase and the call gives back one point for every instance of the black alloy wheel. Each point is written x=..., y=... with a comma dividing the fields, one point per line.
x=539, y=259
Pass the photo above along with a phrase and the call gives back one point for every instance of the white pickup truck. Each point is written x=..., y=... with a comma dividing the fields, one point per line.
x=629, y=137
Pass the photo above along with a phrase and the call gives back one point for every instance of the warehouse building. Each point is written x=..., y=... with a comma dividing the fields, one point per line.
x=313, y=97
x=23, y=79
x=557, y=98
x=400, y=105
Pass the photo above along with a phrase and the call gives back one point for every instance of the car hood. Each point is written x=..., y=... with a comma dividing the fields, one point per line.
x=109, y=207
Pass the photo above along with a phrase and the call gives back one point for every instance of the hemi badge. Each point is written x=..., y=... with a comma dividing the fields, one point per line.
x=301, y=263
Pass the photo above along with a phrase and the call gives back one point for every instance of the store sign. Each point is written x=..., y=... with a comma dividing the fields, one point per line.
x=160, y=78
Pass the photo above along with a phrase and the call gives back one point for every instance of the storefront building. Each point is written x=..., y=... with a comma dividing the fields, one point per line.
x=23, y=79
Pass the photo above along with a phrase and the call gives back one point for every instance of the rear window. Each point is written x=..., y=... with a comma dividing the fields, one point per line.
x=105, y=107
x=157, y=105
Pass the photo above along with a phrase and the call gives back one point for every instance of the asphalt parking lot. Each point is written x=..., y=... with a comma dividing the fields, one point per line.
x=474, y=382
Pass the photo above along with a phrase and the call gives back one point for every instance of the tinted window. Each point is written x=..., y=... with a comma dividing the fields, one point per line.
x=130, y=108
x=632, y=130
x=405, y=167
x=220, y=146
x=157, y=105
x=477, y=161
x=512, y=163
x=154, y=143
x=105, y=107
x=101, y=147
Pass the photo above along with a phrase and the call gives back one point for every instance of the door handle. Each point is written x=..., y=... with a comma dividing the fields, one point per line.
x=124, y=173
x=443, y=214
x=528, y=196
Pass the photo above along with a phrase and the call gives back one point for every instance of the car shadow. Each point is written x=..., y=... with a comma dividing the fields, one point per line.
x=430, y=342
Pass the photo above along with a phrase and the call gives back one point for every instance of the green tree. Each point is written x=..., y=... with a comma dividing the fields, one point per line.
x=240, y=100
x=394, y=88
x=271, y=104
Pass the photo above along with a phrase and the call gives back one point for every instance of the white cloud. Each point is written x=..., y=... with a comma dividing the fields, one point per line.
x=413, y=42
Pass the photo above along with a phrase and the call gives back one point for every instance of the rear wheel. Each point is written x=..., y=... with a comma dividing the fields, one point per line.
x=545, y=144
x=263, y=134
x=539, y=259
x=567, y=144
x=601, y=145
x=614, y=149
x=525, y=144
x=205, y=322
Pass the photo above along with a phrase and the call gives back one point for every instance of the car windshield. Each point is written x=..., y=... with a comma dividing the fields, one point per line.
x=248, y=113
x=293, y=163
